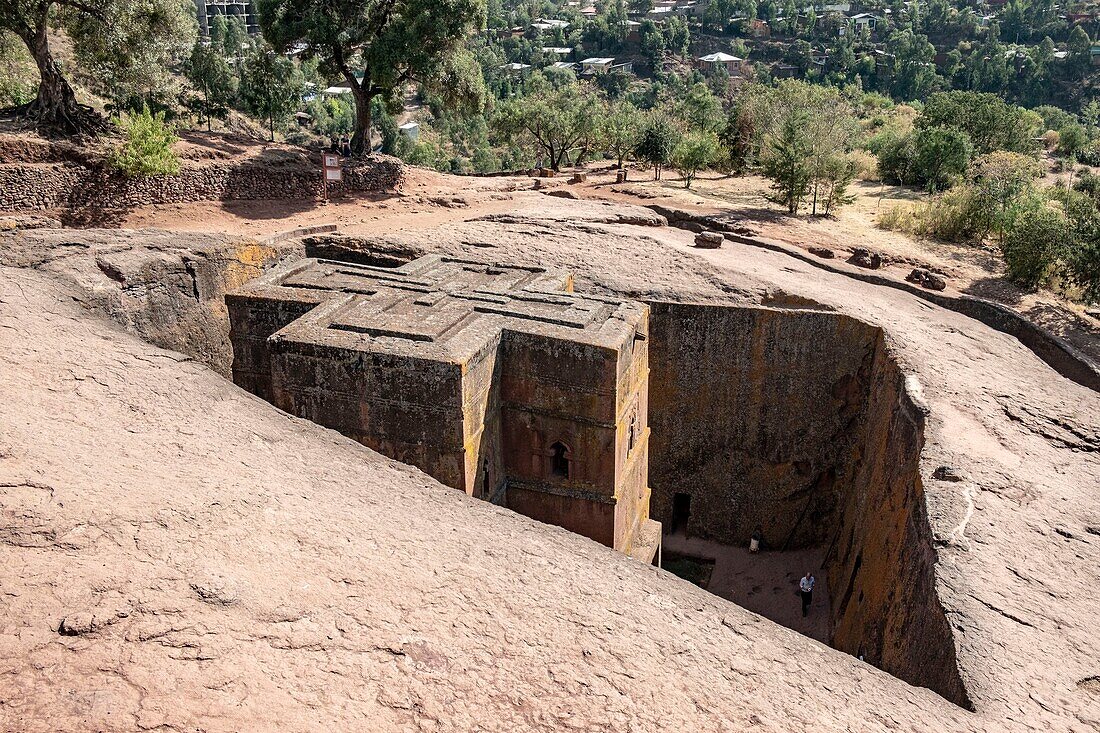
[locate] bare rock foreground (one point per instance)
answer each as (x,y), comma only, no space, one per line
(177,555)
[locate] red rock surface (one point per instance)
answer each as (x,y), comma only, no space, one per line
(177,555)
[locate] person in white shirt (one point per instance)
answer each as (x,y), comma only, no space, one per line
(806,586)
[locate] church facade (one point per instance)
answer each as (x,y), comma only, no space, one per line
(496,380)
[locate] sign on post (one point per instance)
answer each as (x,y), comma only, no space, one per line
(331,170)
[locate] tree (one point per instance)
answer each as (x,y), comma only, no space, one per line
(620,129)
(129,57)
(1001,180)
(210,73)
(787,162)
(657,141)
(388,42)
(700,109)
(1079,46)
(697,150)
(1084,264)
(236,42)
(556,119)
(1072,139)
(16,72)
(830,183)
(124,40)
(988,120)
(652,41)
(762,111)
(677,35)
(914,72)
(271,87)
(940,154)
(1034,245)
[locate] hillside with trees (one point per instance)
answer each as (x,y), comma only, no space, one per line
(977,104)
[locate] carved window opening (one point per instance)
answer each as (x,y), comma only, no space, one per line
(633,434)
(559,460)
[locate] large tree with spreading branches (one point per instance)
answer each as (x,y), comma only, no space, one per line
(126,43)
(377,46)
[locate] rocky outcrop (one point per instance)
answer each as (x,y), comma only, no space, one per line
(180,556)
(206,583)
(926,279)
(709,240)
(167,288)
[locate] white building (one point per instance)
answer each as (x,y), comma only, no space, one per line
(715,61)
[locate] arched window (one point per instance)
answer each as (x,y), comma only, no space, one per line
(559,460)
(633,433)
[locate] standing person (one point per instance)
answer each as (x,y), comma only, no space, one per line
(806,586)
(345,147)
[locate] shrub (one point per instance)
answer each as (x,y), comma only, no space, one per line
(1084,269)
(895,153)
(658,138)
(1034,245)
(864,165)
(147,147)
(941,155)
(1072,139)
(900,218)
(1088,183)
(1090,154)
(953,216)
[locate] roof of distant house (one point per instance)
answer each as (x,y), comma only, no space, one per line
(598,60)
(549,23)
(719,57)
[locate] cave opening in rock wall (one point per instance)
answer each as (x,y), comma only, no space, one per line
(796,426)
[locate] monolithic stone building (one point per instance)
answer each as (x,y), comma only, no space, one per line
(495,380)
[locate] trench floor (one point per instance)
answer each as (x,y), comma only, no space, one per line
(764,582)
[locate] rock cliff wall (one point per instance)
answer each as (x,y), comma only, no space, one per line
(799,422)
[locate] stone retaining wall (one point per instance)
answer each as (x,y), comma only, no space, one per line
(90,193)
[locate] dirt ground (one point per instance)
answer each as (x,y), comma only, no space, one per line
(765,582)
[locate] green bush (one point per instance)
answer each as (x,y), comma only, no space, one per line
(147,147)
(954,216)
(1033,247)
(1084,269)
(1090,154)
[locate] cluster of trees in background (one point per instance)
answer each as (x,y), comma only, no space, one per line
(931,101)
